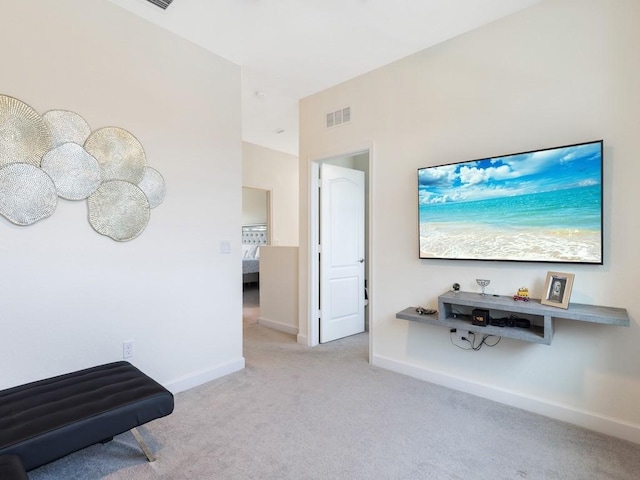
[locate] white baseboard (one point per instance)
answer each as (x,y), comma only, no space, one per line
(283,327)
(582,418)
(302,339)
(204,376)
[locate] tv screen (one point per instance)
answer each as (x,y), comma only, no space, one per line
(538,206)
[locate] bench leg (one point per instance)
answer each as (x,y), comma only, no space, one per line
(143,445)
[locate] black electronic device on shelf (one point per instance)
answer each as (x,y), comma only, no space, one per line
(480,316)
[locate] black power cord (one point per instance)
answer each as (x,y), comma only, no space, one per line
(472,341)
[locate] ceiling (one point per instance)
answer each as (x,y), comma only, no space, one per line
(290,49)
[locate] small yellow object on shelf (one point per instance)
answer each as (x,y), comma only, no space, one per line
(523,294)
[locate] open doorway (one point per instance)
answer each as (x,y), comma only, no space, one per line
(256,207)
(359,161)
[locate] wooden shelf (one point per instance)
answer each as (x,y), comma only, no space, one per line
(454,311)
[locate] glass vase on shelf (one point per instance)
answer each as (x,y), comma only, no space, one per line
(483,284)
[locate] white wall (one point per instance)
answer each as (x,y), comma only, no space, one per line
(277,172)
(254,206)
(563,71)
(71,296)
(279,288)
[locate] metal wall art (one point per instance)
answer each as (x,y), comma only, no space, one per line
(120,155)
(27,194)
(119,210)
(152,184)
(43,157)
(74,171)
(24,135)
(66,127)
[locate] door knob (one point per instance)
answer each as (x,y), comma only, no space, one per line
(361,260)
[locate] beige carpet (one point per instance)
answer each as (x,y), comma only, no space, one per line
(325,413)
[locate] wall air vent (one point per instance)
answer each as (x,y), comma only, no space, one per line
(346,115)
(339,117)
(163,4)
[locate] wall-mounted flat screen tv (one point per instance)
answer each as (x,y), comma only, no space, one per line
(538,206)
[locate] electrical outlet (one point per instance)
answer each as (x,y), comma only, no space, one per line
(462,334)
(127,349)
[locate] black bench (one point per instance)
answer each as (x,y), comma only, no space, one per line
(11,468)
(46,420)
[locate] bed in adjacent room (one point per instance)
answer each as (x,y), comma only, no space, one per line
(253,236)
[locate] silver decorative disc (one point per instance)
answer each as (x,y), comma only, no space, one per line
(119,153)
(27,194)
(75,173)
(66,126)
(152,184)
(119,210)
(24,136)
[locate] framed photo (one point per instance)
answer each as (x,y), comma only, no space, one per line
(558,289)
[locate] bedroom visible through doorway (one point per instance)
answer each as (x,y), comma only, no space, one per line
(255,233)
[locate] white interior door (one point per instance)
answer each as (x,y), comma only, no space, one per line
(341,252)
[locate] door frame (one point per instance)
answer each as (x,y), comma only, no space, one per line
(313,330)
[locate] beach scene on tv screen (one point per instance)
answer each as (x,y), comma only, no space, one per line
(538,206)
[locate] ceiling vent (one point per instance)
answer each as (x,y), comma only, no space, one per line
(163,4)
(339,117)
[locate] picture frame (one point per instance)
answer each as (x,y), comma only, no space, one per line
(557,289)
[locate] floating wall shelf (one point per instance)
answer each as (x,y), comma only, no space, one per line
(454,311)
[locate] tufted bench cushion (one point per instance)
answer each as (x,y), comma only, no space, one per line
(48,419)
